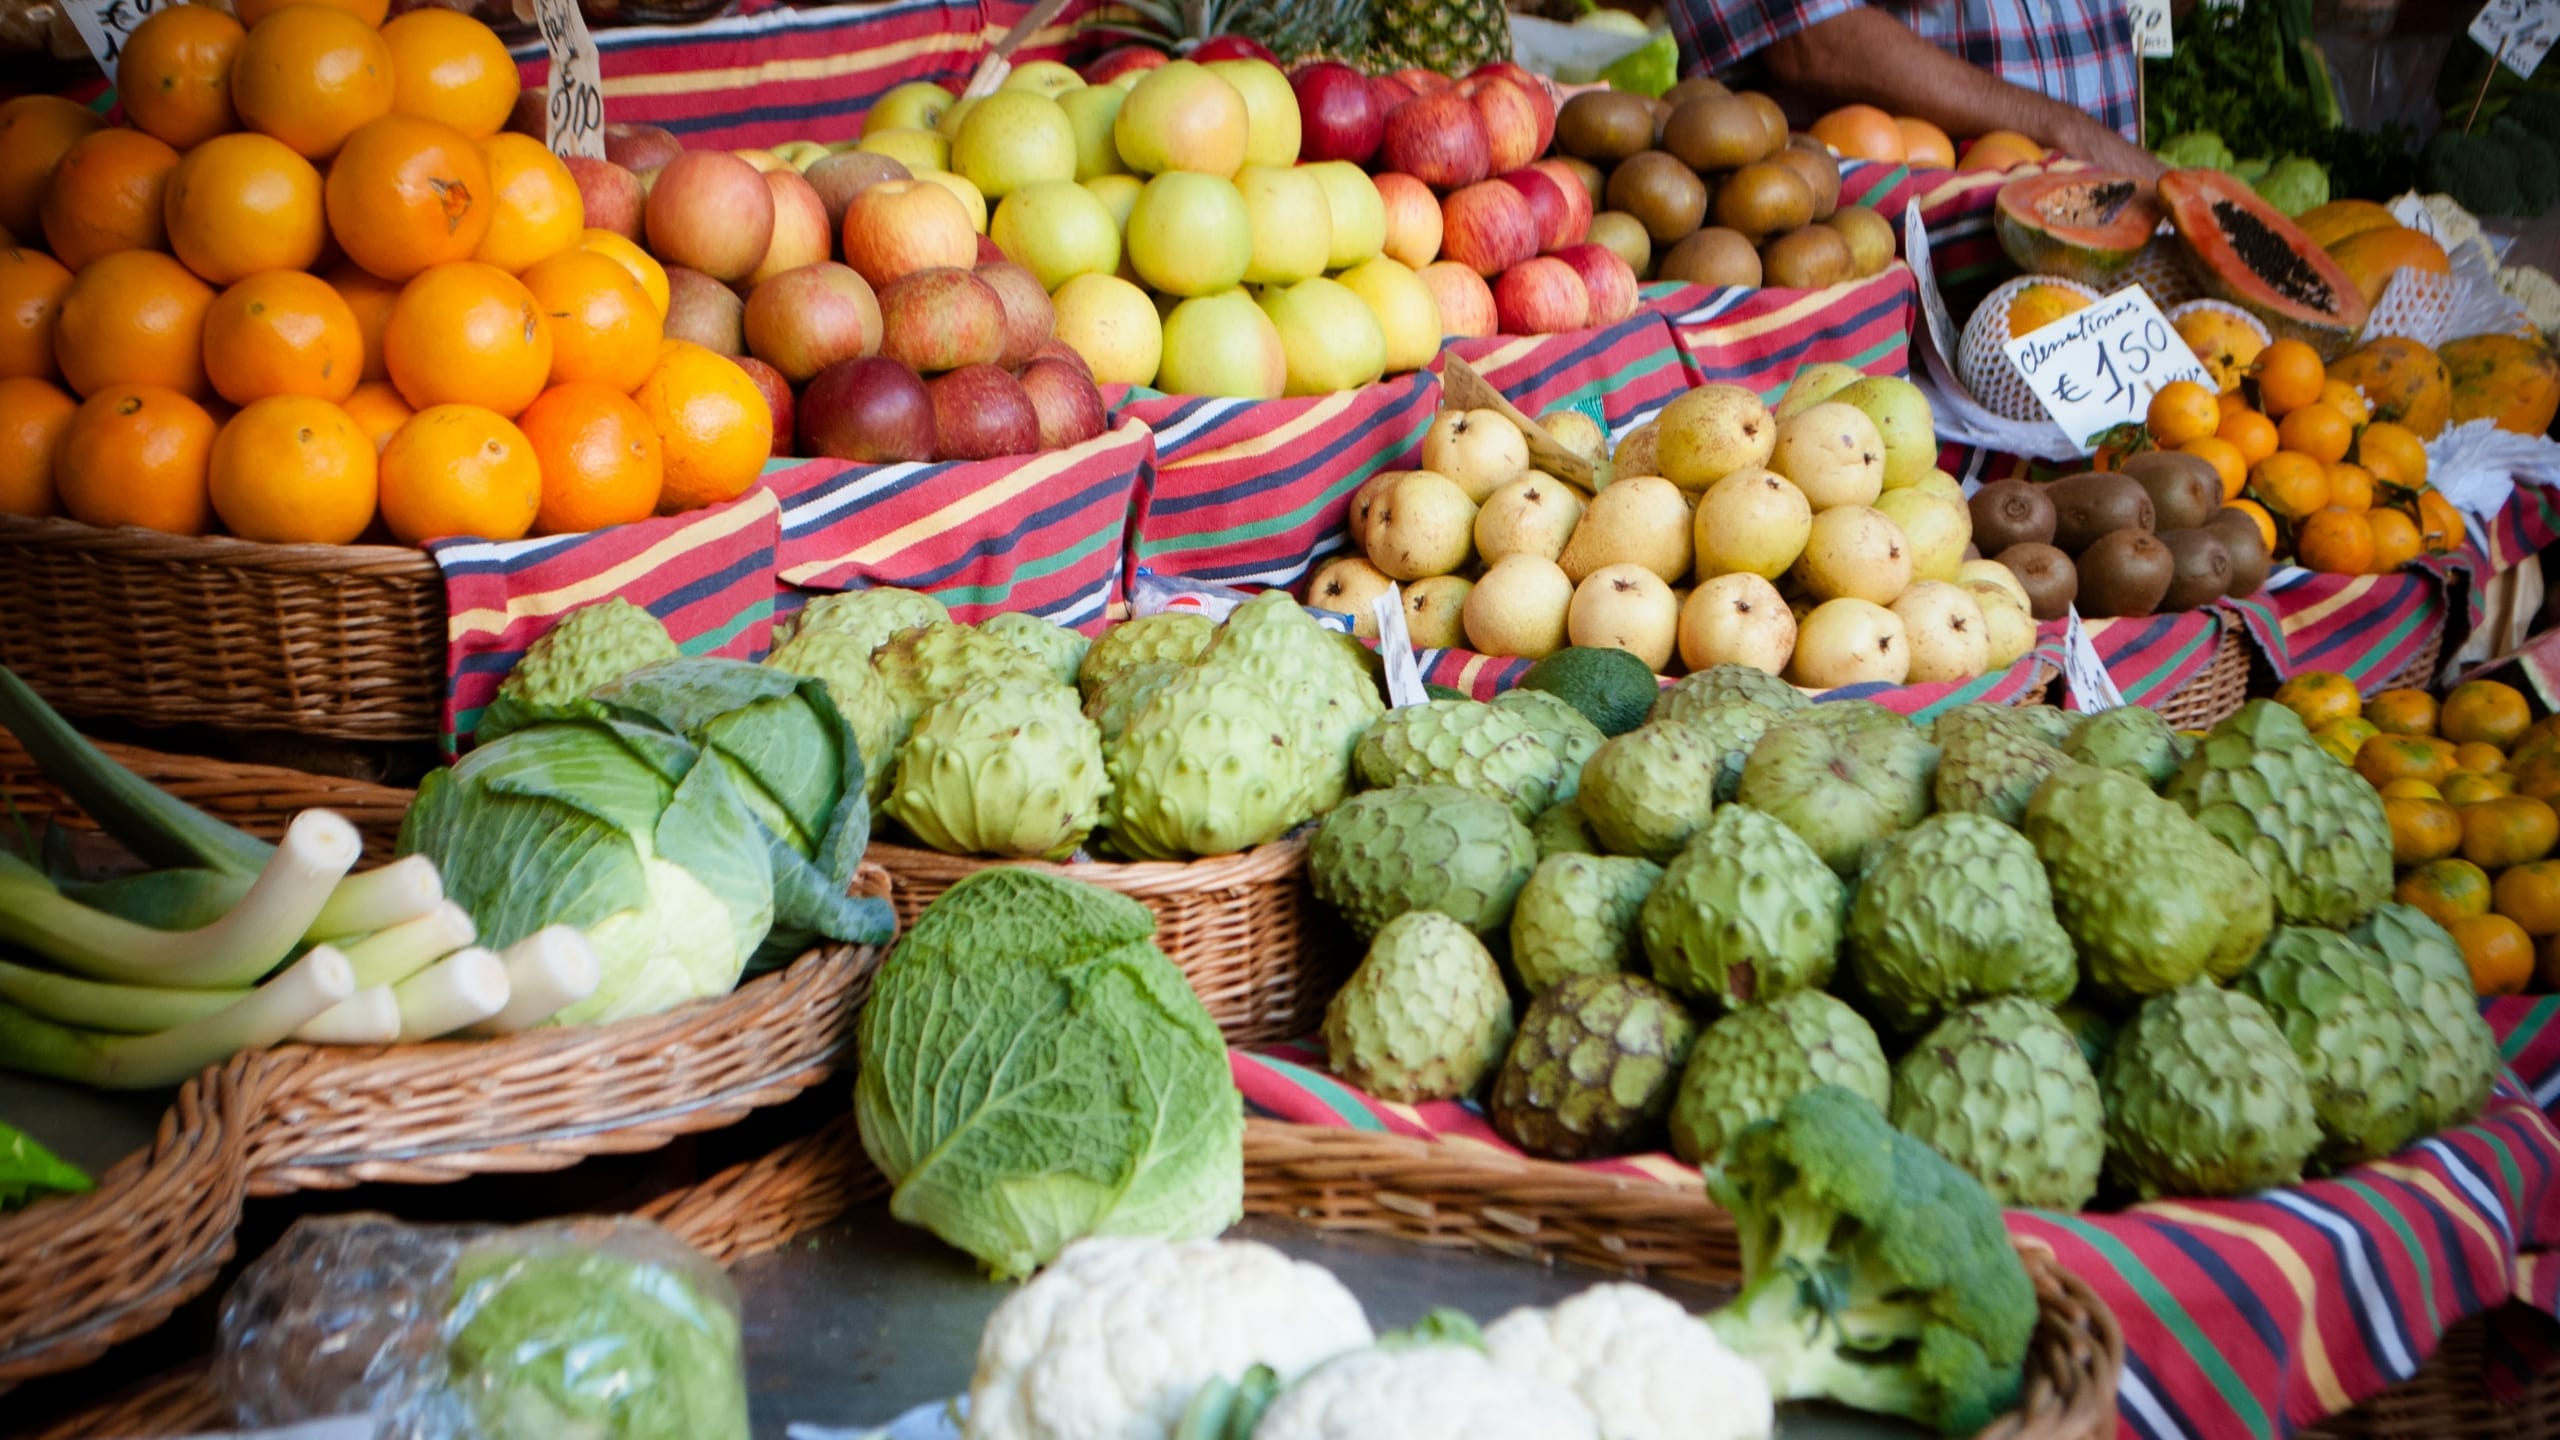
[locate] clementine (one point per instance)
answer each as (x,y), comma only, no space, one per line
(293,470)
(1861,132)
(447,66)
(1924,143)
(2350,486)
(2498,951)
(2334,542)
(32,284)
(309,75)
(602,462)
(2421,829)
(378,411)
(35,130)
(2481,758)
(282,333)
(2449,891)
(2386,758)
(2182,411)
(2318,431)
(2253,434)
(33,416)
(2510,830)
(2289,376)
(2529,894)
(136,455)
(2395,540)
(2347,400)
(2484,712)
(239,204)
(715,424)
(459,470)
(643,267)
(2226,460)
(2403,711)
(2384,444)
(133,318)
(368,11)
(2440,526)
(2257,512)
(371,298)
(407,193)
(2289,484)
(106,196)
(538,212)
(174,73)
(603,327)
(468,334)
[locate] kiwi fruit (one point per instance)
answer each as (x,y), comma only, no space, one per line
(2200,570)
(1711,257)
(1716,132)
(2052,582)
(1604,125)
(1762,199)
(1696,87)
(1819,171)
(1666,196)
(1594,184)
(2125,572)
(2099,502)
(2247,546)
(1772,119)
(1807,259)
(1869,234)
(2185,491)
(2011,512)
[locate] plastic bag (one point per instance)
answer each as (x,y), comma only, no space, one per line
(606,1329)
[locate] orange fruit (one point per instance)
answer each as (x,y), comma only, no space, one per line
(2449,890)
(2317,431)
(603,327)
(33,416)
(2386,758)
(105,196)
(2411,789)
(2231,402)
(1924,143)
(2253,434)
(2320,697)
(643,267)
(32,284)
(459,470)
(133,318)
(2499,952)
(2350,484)
(2347,400)
(309,75)
(35,130)
(2481,759)
(2290,484)
(715,425)
(2343,738)
(2226,460)
(2529,894)
(2334,541)
(538,212)
(239,204)
(2466,787)
(2289,376)
(174,74)
(293,470)
(1861,132)
(468,334)
(2180,411)
(2538,778)
(368,11)
(2385,444)
(370,297)
(136,455)
(2440,527)
(2257,512)
(2484,712)
(2001,150)
(602,463)
(2509,830)
(378,411)
(2421,829)
(2395,540)
(2403,711)
(282,333)
(448,67)
(407,193)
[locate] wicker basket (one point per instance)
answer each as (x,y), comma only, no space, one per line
(2448,1400)
(345,641)
(1246,929)
(260,799)
(2420,672)
(2215,693)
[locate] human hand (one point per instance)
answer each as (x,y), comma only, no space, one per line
(2098,143)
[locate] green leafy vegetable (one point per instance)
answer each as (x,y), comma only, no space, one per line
(2255,74)
(29,1172)
(1648,70)
(2294,184)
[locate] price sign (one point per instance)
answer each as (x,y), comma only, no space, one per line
(2518,32)
(1395,647)
(2098,368)
(2151,38)
(104,24)
(574,114)
(1933,305)
(2084,675)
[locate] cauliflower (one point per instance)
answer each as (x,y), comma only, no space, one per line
(1647,1368)
(1425,1392)
(2537,292)
(1111,1341)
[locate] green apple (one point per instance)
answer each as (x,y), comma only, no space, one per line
(1270,110)
(972,199)
(1292,229)
(1057,230)
(1182,116)
(1407,314)
(1043,77)
(1015,138)
(916,105)
(918,150)
(948,127)
(1113,325)
(1359,216)
(1328,335)
(1091,111)
(801,154)
(1222,344)
(1190,234)
(1120,193)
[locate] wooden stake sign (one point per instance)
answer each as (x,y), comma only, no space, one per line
(1461,388)
(573,109)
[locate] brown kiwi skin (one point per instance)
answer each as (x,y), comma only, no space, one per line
(2201,569)
(1710,256)
(1604,125)
(2125,572)
(2247,546)
(2094,504)
(1666,196)
(2011,512)
(2052,582)
(1812,258)
(2185,491)
(1819,171)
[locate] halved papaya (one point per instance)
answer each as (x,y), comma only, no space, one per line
(2082,225)
(2247,252)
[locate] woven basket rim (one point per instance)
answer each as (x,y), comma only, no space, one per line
(1133,878)
(226,551)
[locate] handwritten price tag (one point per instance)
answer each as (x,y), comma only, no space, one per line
(574,123)
(1933,303)
(2084,675)
(2518,32)
(2098,368)
(2151,37)
(104,24)
(1395,647)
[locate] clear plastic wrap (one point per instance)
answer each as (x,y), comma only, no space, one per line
(604,1329)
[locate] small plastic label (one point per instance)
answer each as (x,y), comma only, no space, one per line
(2084,675)
(2098,368)
(2151,37)
(574,101)
(1933,305)
(104,25)
(1395,647)
(2518,32)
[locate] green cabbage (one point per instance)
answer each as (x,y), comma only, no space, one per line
(2196,150)
(1033,1071)
(2294,184)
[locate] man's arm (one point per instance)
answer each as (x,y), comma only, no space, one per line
(1865,54)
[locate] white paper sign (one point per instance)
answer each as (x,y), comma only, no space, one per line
(2151,38)
(104,24)
(1933,305)
(2518,32)
(574,112)
(1395,647)
(2084,675)
(2098,368)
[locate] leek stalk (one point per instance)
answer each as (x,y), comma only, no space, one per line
(455,993)
(115,1009)
(371,1016)
(265,1016)
(547,972)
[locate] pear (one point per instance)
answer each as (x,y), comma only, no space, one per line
(1639,452)
(1533,515)
(1626,607)
(1711,432)
(1348,585)
(1364,500)
(1737,619)
(1433,609)
(1753,521)
(1937,527)
(1854,552)
(1944,630)
(1480,449)
(1903,418)
(1519,608)
(1641,520)
(1995,573)
(2009,632)
(1850,642)
(1424,525)
(1813,385)
(1833,454)
(1577,432)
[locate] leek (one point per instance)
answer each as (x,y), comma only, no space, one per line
(116,1009)
(379,899)
(264,1016)
(371,1016)
(388,957)
(459,991)
(547,972)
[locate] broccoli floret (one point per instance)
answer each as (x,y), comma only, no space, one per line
(1875,1273)
(2536,166)
(2537,112)
(2473,170)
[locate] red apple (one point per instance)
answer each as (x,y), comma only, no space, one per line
(639,147)
(874,410)
(1488,227)
(1549,202)
(1029,318)
(1232,47)
(712,212)
(1339,114)
(1066,400)
(1424,82)
(941,319)
(1577,193)
(1541,297)
(777,398)
(1111,64)
(801,234)
(1540,90)
(1466,302)
(1061,350)
(848,173)
(981,412)
(989,251)
(1510,122)
(802,321)
(1437,139)
(1413,218)
(1391,92)
(704,311)
(531,114)
(897,226)
(611,194)
(1607,277)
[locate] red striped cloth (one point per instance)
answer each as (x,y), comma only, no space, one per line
(1617,374)
(2153,657)
(2365,627)
(1759,339)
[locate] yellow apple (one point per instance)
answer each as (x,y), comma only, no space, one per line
(1043,77)
(918,150)
(1328,336)
(1359,216)
(1113,325)
(1014,138)
(916,105)
(1182,116)
(1270,109)
(1057,230)
(971,198)
(1190,234)
(1292,227)
(1091,111)
(1407,314)
(1222,344)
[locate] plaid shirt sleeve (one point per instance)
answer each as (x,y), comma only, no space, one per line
(1716,35)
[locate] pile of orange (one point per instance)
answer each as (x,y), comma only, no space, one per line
(1863,132)
(316,293)
(2332,488)
(2469,785)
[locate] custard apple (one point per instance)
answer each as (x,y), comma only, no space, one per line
(1577,916)
(1953,911)
(1425,1017)
(1746,913)
(2357,1040)
(1006,769)
(2052,726)
(591,646)
(2204,1097)
(2314,828)
(1172,636)
(1055,646)
(1723,684)
(879,726)
(1207,767)
(1421,847)
(2150,899)
(1561,830)
(1847,717)
(933,662)
(2094,1028)
(2458,1058)
(1562,729)
(1326,696)
(1841,784)
(874,617)
(2002,1089)
(2131,739)
(1593,1068)
(1730,728)
(1990,763)
(1465,743)
(1646,792)
(1748,1065)
(1115,702)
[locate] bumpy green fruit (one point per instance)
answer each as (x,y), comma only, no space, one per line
(1171,636)
(1953,911)
(1647,791)
(841,660)
(2002,1089)
(1746,913)
(2092,1027)
(591,646)
(873,617)
(2150,899)
(2050,725)
(931,663)
(1577,916)
(1748,1065)
(1421,847)
(1055,646)
(1593,1069)
(1425,1016)
(1003,769)
(1465,743)
(1841,784)
(1561,830)
(2204,1097)
(1207,767)
(1566,733)
(2131,739)
(1730,727)
(1720,684)
(2458,1059)
(2314,828)
(1115,702)
(2353,1034)
(1991,762)
(1326,696)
